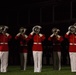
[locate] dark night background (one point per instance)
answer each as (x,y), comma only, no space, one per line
(48,14)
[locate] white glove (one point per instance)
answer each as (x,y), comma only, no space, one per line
(58,36)
(18,34)
(51,35)
(7,34)
(32,33)
(40,35)
(69,28)
(26,36)
(75,32)
(68,32)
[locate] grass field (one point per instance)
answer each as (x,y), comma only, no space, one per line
(46,70)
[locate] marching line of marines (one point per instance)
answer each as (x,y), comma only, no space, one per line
(37,48)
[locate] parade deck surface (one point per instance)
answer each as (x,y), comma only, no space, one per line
(46,70)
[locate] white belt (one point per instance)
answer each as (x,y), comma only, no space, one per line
(36,43)
(3,43)
(72,43)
